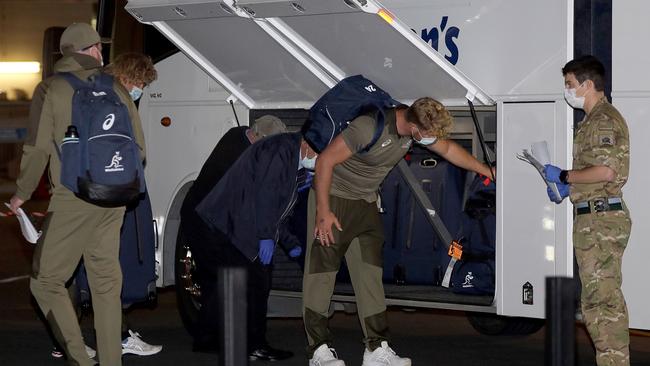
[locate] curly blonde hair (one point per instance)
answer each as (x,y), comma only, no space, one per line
(133,68)
(431,117)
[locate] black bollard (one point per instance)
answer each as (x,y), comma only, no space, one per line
(560,321)
(232,310)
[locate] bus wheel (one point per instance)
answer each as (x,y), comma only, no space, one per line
(188,291)
(492,324)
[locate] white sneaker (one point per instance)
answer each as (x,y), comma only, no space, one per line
(325,356)
(384,356)
(91,352)
(135,345)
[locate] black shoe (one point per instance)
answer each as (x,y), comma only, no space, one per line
(267,353)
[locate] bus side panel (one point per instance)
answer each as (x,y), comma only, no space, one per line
(198,115)
(510,48)
(533,234)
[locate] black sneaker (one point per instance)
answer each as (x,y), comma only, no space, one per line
(267,353)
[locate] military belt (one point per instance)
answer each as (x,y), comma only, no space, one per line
(599,205)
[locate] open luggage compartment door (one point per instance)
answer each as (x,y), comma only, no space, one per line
(233,49)
(349,37)
(279,54)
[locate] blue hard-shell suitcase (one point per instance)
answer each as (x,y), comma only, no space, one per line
(137,256)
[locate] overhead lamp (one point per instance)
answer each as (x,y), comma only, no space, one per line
(26,67)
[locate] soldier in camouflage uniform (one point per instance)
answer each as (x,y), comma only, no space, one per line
(602,224)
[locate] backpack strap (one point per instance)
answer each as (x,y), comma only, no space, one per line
(100,80)
(379,129)
(103,80)
(73,80)
(380,119)
(56,148)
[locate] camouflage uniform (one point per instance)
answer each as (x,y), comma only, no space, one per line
(599,238)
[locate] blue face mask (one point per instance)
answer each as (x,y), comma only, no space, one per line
(135,93)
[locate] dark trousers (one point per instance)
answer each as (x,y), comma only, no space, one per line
(211,251)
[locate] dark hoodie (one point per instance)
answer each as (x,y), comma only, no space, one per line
(254,198)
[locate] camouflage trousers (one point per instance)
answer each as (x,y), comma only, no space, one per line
(599,240)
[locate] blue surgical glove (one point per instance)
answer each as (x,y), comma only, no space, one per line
(266,251)
(564,192)
(552,173)
(295,252)
(309,178)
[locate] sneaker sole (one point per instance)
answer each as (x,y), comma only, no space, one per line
(140,353)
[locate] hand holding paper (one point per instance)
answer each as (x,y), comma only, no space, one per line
(540,159)
(563,190)
(552,173)
(26,226)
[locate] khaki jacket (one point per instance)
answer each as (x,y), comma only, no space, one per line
(602,138)
(49,117)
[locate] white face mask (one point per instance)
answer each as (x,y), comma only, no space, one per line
(424,141)
(308,163)
(99,56)
(573,100)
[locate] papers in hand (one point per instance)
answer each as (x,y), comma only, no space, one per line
(538,158)
(26,226)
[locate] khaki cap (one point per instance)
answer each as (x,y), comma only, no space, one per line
(79,36)
(268,125)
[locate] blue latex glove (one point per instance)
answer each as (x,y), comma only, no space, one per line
(309,178)
(295,252)
(552,173)
(564,192)
(266,251)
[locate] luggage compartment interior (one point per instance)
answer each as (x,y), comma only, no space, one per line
(415,259)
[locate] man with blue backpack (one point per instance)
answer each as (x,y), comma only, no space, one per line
(90,134)
(372,134)
(134,71)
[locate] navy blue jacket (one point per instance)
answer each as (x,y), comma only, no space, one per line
(253,199)
(223,156)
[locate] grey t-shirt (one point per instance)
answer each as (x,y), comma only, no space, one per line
(359,177)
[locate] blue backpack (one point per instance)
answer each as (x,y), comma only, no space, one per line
(100,160)
(348,99)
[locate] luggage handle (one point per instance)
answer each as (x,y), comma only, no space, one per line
(137,235)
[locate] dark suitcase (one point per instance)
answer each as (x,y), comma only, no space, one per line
(137,257)
(413,253)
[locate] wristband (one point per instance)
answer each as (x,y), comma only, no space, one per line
(564,175)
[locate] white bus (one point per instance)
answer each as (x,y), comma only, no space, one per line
(278,57)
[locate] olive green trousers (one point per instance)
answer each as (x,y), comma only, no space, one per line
(67,236)
(361,243)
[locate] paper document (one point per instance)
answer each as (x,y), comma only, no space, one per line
(538,158)
(26,226)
